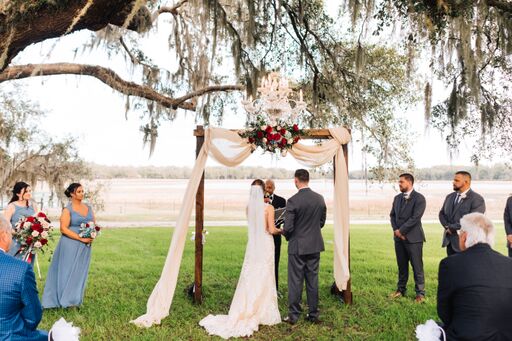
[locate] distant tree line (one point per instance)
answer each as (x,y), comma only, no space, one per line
(496,172)
(173,172)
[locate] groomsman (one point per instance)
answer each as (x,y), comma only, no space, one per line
(408,208)
(507,217)
(456,205)
(278,202)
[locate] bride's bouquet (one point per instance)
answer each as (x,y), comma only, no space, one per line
(32,233)
(89,230)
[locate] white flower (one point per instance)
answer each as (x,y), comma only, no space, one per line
(93,234)
(44,234)
(38,245)
(290,141)
(463,196)
(26,225)
(263,127)
(45,224)
(284,152)
(264,140)
(278,128)
(288,134)
(35,233)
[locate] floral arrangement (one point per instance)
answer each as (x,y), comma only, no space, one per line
(273,138)
(32,233)
(89,230)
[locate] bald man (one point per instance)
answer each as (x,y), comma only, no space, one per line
(277,202)
(456,205)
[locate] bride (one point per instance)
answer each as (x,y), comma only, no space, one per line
(255,299)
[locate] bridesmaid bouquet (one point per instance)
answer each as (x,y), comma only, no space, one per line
(32,233)
(89,230)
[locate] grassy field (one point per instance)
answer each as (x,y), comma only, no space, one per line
(126,264)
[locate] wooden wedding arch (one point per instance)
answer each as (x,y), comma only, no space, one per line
(199,133)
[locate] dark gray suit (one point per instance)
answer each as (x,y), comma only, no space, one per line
(406,216)
(305,216)
(507,218)
(450,215)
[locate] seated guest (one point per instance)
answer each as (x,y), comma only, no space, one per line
(20,309)
(474,297)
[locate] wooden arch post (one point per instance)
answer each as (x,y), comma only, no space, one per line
(310,134)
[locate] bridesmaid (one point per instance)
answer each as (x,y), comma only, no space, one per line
(67,276)
(19,206)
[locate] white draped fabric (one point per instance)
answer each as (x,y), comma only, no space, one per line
(232,152)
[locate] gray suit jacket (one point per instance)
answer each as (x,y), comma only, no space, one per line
(406,216)
(450,214)
(507,218)
(304,219)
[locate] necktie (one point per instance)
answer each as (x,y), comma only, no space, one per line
(457,199)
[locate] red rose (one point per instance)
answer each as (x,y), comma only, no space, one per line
(283,131)
(296,139)
(28,240)
(41,215)
(251,140)
(295,127)
(97,228)
(284,142)
(44,241)
(30,219)
(37,227)
(87,225)
(260,134)
(278,137)
(269,129)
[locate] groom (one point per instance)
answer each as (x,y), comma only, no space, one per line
(305,216)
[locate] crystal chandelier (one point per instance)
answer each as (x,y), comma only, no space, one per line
(274,102)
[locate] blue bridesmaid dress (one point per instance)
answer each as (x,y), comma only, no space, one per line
(67,276)
(19,212)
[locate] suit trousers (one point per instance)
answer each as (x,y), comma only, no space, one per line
(410,253)
(302,267)
(510,252)
(277,256)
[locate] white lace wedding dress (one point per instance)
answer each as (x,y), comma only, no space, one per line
(255,299)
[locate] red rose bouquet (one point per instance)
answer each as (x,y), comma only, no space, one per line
(32,233)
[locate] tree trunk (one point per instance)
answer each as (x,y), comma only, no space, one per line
(40,22)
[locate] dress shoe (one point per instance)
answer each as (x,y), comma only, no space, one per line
(397,294)
(419,299)
(288,320)
(314,320)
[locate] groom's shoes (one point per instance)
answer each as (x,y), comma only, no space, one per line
(289,320)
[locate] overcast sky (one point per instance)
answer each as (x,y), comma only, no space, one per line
(94,115)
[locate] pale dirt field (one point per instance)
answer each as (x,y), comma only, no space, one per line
(158,201)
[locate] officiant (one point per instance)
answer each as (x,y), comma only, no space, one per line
(278,202)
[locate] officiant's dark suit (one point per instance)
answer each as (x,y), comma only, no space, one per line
(456,205)
(277,202)
(405,216)
(305,217)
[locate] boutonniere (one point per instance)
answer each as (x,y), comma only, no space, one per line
(463,196)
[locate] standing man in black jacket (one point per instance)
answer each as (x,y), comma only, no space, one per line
(408,208)
(456,205)
(507,218)
(278,202)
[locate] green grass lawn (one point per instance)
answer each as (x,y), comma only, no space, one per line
(126,264)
